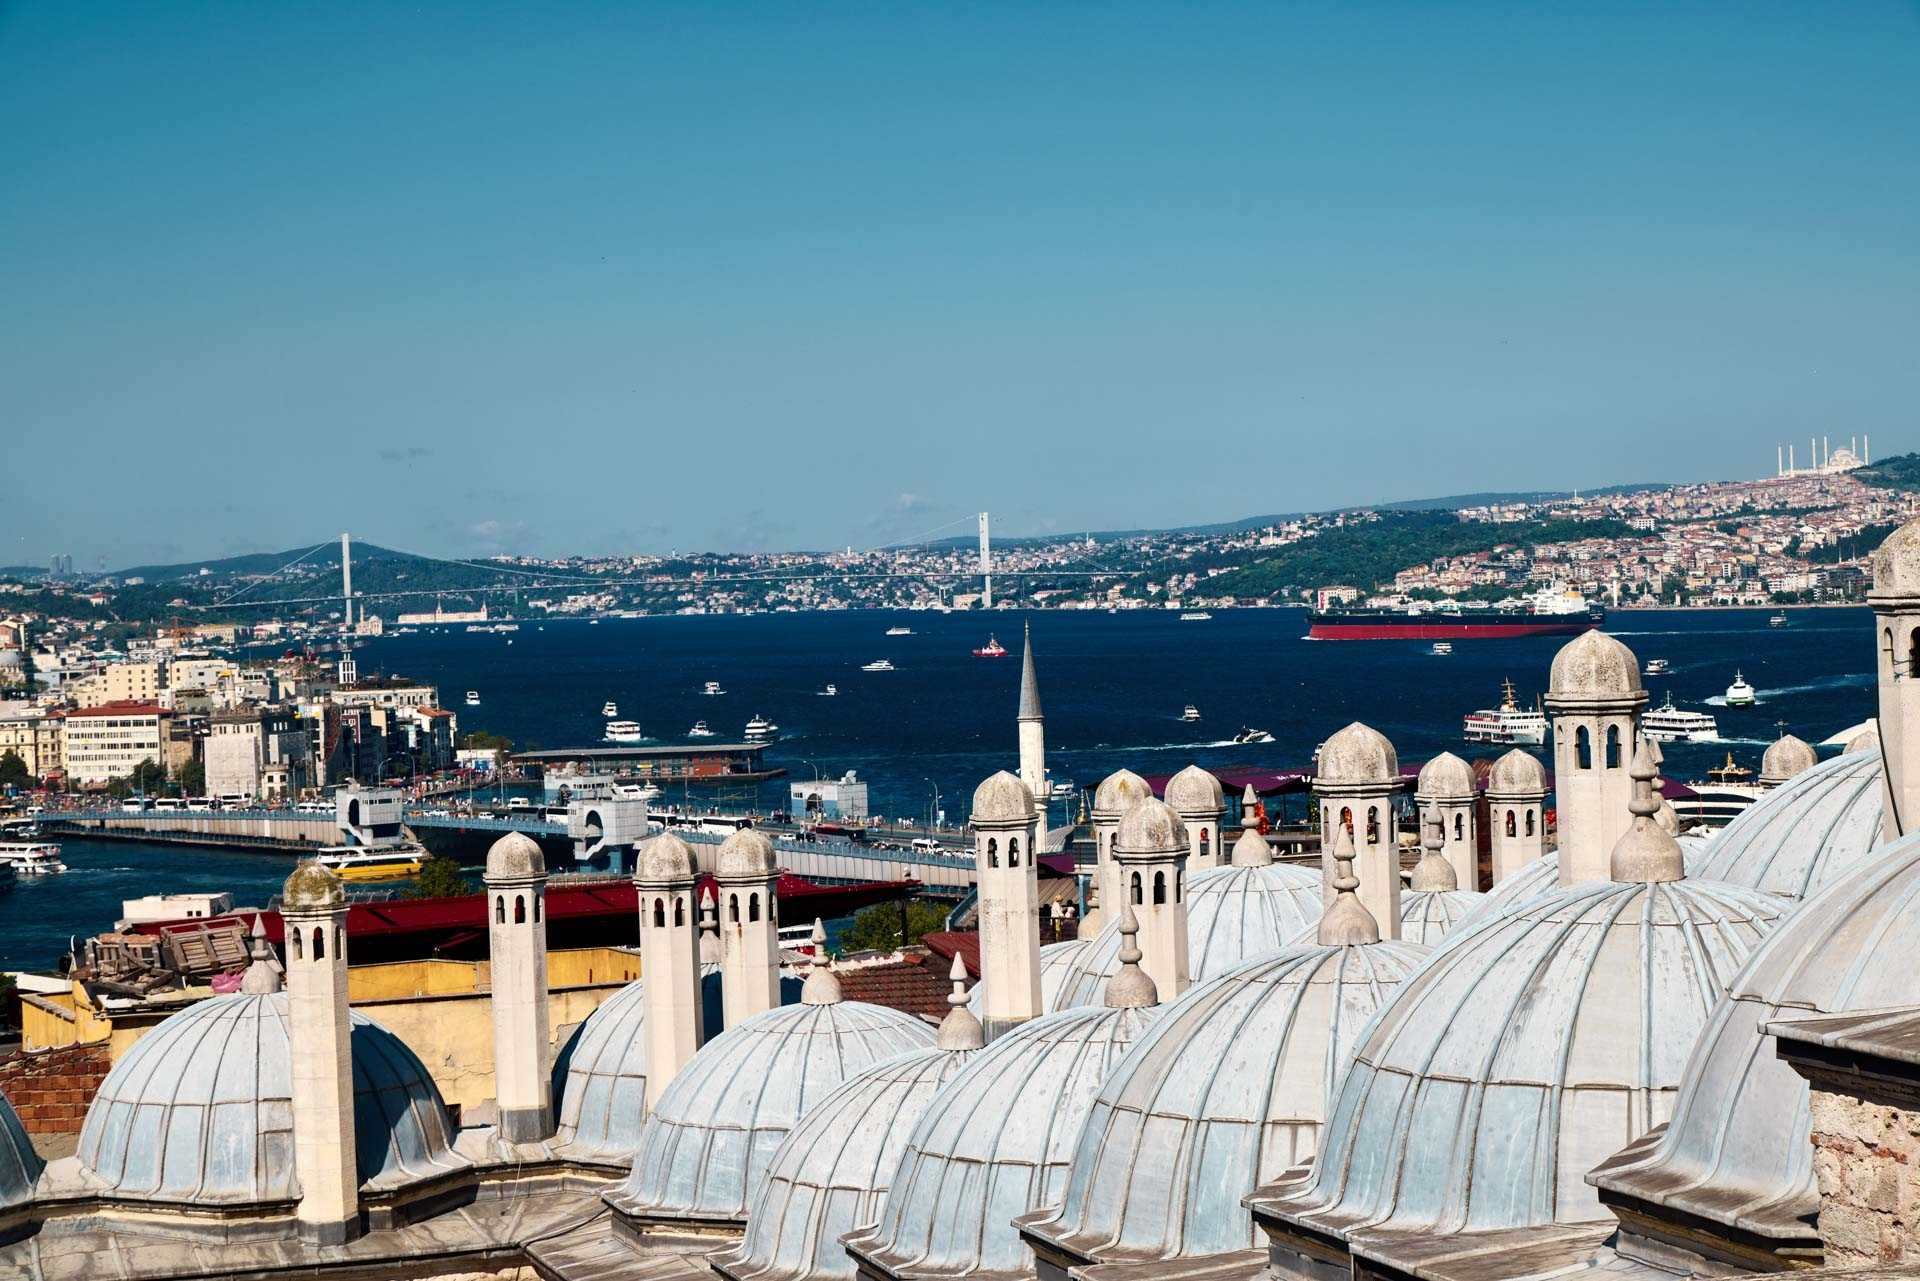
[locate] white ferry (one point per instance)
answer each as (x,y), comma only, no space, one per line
(609,709)
(1778,620)
(1656,667)
(624,732)
(1191,713)
(712,689)
(1728,790)
(32,858)
(1443,648)
(1740,694)
(877,665)
(1196,616)
(1670,724)
(899,631)
(360,863)
(699,730)
(760,729)
(473,698)
(1247,736)
(1507,723)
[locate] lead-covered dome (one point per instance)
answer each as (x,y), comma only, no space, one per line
(1516,1059)
(1739,1148)
(1785,757)
(1517,773)
(993,1144)
(1056,962)
(833,1171)
(312,886)
(1002,798)
(1233,913)
(1594,666)
(1195,793)
(1804,833)
(1226,1091)
(20,1165)
(1446,777)
(200,1110)
(1357,754)
(704,1150)
(1427,916)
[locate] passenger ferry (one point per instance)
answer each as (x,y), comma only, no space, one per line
(712,689)
(32,858)
(609,709)
(1656,667)
(361,863)
(1507,723)
(1740,694)
(473,698)
(760,730)
(992,649)
(699,730)
(624,732)
(1670,724)
(1728,790)
(1191,713)
(1196,616)
(1442,648)
(877,665)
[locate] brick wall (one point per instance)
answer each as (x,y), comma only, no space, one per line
(50,1089)
(1867,1159)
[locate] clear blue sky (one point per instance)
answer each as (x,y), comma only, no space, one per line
(632,277)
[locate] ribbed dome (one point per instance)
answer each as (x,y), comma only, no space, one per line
(1804,833)
(833,1171)
(745,855)
(1785,757)
(704,1150)
(1446,777)
(1524,1052)
(1357,754)
(515,857)
(1537,877)
(1226,1091)
(1739,1148)
(1195,793)
(20,1165)
(1118,791)
(1233,913)
(1427,916)
(1594,666)
(200,1110)
(1517,773)
(994,1144)
(1002,798)
(600,1074)
(1896,563)
(1056,962)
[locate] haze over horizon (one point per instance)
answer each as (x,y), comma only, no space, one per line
(477,279)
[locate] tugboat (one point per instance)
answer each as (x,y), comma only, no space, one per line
(992,649)
(1507,723)
(1740,694)
(1670,724)
(761,730)
(1191,714)
(1246,736)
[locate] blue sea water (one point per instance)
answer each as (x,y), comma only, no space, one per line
(1113,687)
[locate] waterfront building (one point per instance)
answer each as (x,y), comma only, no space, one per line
(243,748)
(32,733)
(838,799)
(111,740)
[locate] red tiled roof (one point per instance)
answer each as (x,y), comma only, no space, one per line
(123,708)
(947,944)
(917,985)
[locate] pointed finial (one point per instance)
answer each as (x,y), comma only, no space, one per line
(262,977)
(822,986)
(1645,851)
(1346,922)
(1131,987)
(1029,683)
(960,1030)
(1251,850)
(1664,813)
(1433,873)
(1251,812)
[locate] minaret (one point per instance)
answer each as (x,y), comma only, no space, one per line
(516,881)
(1197,798)
(1357,776)
(1033,732)
(1008,886)
(1594,696)
(1345,921)
(1896,609)
(313,913)
(1447,792)
(749,931)
(1151,851)
(1516,792)
(670,944)
(1113,798)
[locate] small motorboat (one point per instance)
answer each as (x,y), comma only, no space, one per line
(473,698)
(699,730)
(608,709)
(1246,736)
(877,665)
(1191,713)
(624,732)
(992,649)
(760,729)
(1443,647)
(899,631)
(712,689)
(1740,694)
(830,691)
(1778,620)
(1657,667)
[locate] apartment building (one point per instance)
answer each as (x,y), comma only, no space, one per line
(111,740)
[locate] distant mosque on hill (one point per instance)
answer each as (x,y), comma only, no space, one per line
(1628,1051)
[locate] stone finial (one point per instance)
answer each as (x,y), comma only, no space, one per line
(1664,814)
(1131,987)
(960,1030)
(710,946)
(263,976)
(1646,852)
(1252,850)
(1252,813)
(822,986)
(1433,874)
(1867,740)
(1346,922)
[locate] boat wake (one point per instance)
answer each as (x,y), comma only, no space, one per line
(1858,680)
(1159,747)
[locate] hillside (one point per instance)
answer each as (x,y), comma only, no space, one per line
(1901,471)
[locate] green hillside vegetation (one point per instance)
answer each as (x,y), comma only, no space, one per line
(1367,555)
(1902,471)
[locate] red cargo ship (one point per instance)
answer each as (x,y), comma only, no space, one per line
(1429,625)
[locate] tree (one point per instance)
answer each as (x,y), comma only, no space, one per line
(147,779)
(877,928)
(480,740)
(440,877)
(14,772)
(193,778)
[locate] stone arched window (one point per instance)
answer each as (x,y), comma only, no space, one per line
(500,909)
(1373,824)
(1613,747)
(1886,647)
(1913,651)
(679,911)
(1159,888)
(339,942)
(1582,749)
(1346,819)
(1513,827)
(993,852)
(519,910)
(536,909)
(1206,842)
(659,913)
(1459,827)
(1013,851)
(1179,884)
(1137,890)
(295,937)
(319,944)
(733,908)
(1529,822)
(753,907)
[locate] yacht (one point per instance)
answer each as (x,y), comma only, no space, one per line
(473,698)
(1728,790)
(712,689)
(1656,667)
(992,649)
(1778,620)
(899,631)
(1196,616)
(1507,723)
(1246,736)
(699,730)
(1739,694)
(360,863)
(877,665)
(32,858)
(1670,724)
(1191,713)
(624,732)
(1062,791)
(830,691)
(760,729)
(1443,647)
(609,709)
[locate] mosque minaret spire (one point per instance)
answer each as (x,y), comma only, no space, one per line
(1033,731)
(516,881)
(313,912)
